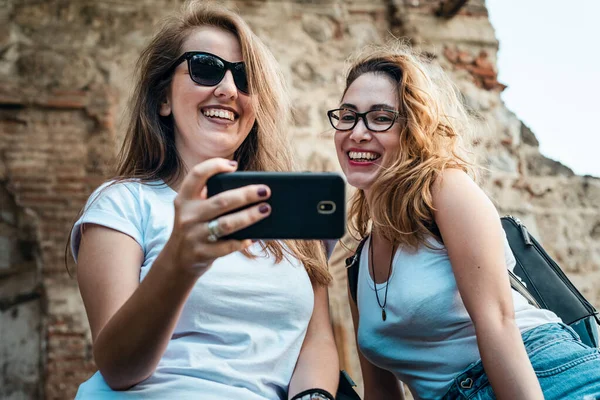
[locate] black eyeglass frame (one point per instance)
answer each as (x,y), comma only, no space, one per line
(188,55)
(362,116)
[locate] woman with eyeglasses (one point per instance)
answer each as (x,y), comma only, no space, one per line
(176,312)
(434,306)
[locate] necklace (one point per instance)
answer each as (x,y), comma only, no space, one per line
(387,283)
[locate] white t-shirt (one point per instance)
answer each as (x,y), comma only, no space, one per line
(242,327)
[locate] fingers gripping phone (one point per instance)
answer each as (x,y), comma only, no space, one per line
(304,205)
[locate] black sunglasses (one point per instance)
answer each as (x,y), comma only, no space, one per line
(208,70)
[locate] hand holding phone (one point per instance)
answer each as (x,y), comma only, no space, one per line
(198,225)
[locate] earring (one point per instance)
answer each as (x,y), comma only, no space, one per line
(165,109)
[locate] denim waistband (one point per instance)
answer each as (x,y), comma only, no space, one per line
(547,333)
(470,381)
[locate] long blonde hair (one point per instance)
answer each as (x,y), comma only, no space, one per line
(434,124)
(148,152)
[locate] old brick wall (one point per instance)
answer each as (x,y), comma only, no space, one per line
(65,73)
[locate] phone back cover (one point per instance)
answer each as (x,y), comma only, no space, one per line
(303,205)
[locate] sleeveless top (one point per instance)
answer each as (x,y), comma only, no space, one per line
(428,337)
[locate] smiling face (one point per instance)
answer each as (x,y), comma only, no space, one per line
(361,152)
(209,121)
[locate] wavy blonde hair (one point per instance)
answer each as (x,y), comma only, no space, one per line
(434,126)
(148,152)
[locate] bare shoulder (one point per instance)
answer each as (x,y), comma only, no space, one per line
(459,203)
(453,183)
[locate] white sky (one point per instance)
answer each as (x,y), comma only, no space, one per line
(550,59)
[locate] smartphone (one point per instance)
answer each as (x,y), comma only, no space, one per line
(304,205)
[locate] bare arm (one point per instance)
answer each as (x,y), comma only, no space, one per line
(473,235)
(379,384)
(132,322)
(318,363)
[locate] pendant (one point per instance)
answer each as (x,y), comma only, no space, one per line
(383,314)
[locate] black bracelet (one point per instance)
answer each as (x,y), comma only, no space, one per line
(314,394)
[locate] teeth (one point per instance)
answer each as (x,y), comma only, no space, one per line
(363,155)
(225,114)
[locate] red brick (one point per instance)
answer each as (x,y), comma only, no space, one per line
(483,72)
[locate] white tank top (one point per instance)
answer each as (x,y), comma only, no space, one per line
(428,337)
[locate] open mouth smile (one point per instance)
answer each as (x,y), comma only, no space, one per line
(220,114)
(363,157)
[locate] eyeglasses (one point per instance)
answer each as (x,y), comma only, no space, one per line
(343,119)
(208,70)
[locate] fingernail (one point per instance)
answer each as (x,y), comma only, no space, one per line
(263,209)
(262,192)
(233,163)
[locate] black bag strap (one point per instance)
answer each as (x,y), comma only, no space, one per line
(352,267)
(346,388)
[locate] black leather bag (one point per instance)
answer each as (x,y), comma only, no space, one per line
(346,388)
(537,277)
(547,285)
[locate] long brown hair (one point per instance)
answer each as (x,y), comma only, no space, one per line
(148,152)
(434,124)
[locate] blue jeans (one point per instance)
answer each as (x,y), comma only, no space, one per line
(566,368)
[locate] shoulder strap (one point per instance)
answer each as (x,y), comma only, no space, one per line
(352,268)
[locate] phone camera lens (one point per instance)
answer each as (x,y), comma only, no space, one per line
(326,207)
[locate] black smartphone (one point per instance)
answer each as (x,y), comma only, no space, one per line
(304,205)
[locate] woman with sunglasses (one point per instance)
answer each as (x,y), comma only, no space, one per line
(434,305)
(175,311)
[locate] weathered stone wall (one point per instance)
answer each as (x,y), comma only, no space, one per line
(65,74)
(20,301)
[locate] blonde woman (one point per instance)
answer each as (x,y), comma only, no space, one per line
(434,304)
(174,311)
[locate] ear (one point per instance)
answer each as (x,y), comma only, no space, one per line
(165,108)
